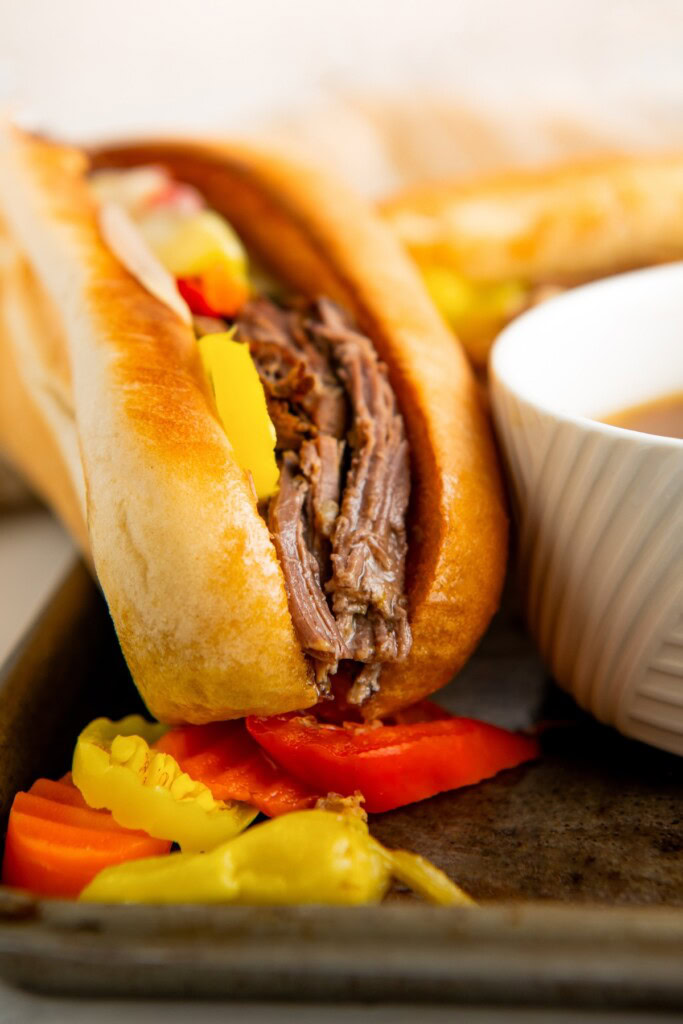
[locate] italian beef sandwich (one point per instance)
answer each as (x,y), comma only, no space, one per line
(220,370)
(492,247)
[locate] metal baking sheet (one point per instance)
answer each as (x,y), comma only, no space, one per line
(577,859)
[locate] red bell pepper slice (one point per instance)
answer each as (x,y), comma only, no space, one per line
(215,293)
(225,758)
(191,290)
(391,765)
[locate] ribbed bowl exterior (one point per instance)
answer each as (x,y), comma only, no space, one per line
(600,516)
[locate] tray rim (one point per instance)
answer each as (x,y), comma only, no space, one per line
(527,953)
(548,953)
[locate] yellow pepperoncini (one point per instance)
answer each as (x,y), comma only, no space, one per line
(316,856)
(241,404)
(114,768)
(475,309)
(424,878)
(187,245)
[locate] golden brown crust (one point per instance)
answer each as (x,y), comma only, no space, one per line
(566,223)
(319,239)
(182,554)
(37,426)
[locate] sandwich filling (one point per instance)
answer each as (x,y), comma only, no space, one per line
(338,517)
(338,514)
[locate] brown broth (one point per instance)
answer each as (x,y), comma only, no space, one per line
(663,416)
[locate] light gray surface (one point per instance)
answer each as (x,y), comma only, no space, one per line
(21,1008)
(34,554)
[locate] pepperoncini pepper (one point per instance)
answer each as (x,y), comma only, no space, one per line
(189,244)
(315,856)
(241,404)
(114,768)
(476,310)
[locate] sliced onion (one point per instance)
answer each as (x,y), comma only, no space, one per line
(134,189)
(126,243)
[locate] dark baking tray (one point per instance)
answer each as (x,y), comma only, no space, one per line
(578,859)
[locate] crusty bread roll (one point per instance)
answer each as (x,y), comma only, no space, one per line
(37,427)
(561,226)
(183,556)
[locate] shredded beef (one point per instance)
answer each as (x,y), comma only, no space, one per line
(338,519)
(369,539)
(313,620)
(321,463)
(297,377)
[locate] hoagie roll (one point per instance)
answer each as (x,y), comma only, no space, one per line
(490,248)
(222,372)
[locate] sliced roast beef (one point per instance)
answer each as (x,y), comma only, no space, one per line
(338,519)
(321,464)
(297,377)
(369,539)
(314,623)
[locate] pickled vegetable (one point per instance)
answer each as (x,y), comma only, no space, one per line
(474,308)
(241,404)
(114,768)
(316,856)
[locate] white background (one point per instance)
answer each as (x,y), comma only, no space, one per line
(144,63)
(546,71)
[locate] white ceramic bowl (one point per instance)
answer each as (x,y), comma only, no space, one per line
(599,508)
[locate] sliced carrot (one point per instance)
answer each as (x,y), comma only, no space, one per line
(67,814)
(56,844)
(62,792)
(223,290)
(79,837)
(55,869)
